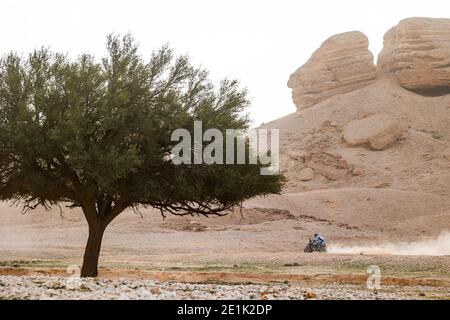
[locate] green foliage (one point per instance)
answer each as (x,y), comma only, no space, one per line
(97,134)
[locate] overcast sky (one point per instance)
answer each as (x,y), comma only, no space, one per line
(258,42)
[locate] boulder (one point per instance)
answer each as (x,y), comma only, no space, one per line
(417,51)
(329,171)
(328,164)
(378,132)
(306,174)
(342,64)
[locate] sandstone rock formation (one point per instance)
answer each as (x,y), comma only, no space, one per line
(378,132)
(417,51)
(331,166)
(342,64)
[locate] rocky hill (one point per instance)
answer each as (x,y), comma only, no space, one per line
(375,129)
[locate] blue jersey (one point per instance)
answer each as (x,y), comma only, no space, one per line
(319,239)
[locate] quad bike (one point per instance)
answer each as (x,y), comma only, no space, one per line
(315,246)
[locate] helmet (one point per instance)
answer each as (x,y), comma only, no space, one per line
(316,234)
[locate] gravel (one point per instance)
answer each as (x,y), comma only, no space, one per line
(46,287)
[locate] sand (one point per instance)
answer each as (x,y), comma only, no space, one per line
(389,208)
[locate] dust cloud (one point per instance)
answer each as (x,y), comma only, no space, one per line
(439,246)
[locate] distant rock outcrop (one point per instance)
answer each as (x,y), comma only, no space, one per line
(378,132)
(417,51)
(342,64)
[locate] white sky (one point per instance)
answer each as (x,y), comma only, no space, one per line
(258,42)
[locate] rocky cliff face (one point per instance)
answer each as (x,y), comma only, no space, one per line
(417,51)
(342,64)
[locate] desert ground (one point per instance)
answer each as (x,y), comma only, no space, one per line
(253,254)
(376,189)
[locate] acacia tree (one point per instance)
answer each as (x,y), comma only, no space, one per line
(97,135)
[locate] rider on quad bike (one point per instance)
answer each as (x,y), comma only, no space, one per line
(319,239)
(316,244)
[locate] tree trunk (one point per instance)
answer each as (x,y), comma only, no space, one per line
(92,251)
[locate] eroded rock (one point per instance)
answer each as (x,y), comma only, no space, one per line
(331,166)
(306,174)
(342,64)
(378,132)
(417,51)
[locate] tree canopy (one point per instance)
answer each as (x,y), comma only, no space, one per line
(96,134)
